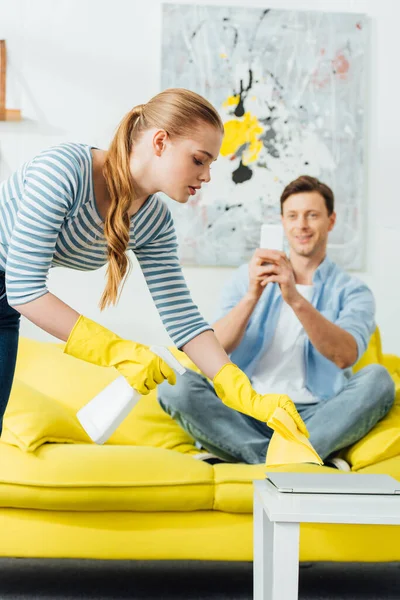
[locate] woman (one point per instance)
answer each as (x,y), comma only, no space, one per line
(81,207)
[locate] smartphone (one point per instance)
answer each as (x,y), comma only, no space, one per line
(272,237)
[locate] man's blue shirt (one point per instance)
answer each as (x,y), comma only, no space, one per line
(339,297)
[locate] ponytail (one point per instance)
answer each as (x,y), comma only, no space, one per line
(120,187)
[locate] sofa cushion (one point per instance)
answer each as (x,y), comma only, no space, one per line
(86,477)
(32,419)
(383,441)
(122,478)
(151,426)
(387,467)
(72,383)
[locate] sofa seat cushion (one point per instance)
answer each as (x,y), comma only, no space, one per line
(388,467)
(86,477)
(234,489)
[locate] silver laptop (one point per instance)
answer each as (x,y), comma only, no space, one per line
(334,483)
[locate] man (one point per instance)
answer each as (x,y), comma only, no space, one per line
(295,326)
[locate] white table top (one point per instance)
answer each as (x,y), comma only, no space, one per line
(327,508)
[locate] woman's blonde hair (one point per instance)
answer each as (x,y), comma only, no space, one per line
(179,112)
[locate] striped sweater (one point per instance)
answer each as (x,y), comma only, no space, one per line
(48,217)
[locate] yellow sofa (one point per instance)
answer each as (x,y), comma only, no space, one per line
(142,495)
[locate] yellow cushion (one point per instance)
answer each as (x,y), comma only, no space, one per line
(32,418)
(373,353)
(72,382)
(151,426)
(382,442)
(96,478)
(45,369)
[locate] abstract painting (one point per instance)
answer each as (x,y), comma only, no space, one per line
(290,87)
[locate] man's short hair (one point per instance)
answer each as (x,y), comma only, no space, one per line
(306,183)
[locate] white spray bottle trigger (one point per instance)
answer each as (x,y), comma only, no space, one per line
(169,358)
(101,416)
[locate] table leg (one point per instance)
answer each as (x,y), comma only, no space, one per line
(276,557)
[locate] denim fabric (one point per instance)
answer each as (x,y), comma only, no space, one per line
(9,333)
(333,424)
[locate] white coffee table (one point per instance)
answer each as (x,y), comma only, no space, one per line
(277,518)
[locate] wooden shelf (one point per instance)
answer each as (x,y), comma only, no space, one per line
(6,114)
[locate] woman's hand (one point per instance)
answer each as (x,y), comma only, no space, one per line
(235,390)
(137,363)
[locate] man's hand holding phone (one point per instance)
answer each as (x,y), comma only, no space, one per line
(280,271)
(269,264)
(262,266)
(270,250)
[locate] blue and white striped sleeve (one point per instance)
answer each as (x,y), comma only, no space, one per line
(49,188)
(160,265)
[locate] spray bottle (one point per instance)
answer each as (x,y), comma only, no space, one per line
(101,416)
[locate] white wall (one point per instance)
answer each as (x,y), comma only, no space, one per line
(76,66)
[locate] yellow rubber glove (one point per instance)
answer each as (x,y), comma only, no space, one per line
(235,390)
(95,344)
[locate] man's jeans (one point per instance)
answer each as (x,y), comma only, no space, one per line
(9,332)
(333,424)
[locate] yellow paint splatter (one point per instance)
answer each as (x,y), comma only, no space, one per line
(240,132)
(251,153)
(231,101)
(223,55)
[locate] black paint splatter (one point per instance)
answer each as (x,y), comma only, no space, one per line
(196,31)
(233,206)
(239,110)
(236,34)
(242,174)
